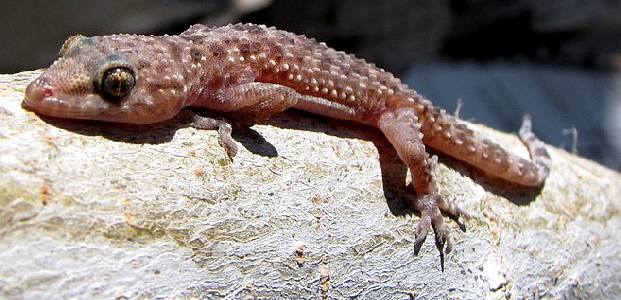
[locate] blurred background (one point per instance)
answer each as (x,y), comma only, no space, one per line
(557,60)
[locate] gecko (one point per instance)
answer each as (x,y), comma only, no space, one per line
(252,72)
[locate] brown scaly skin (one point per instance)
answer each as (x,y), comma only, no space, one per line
(256,72)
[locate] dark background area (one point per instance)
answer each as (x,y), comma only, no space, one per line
(556,60)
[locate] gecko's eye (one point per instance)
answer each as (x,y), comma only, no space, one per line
(116,82)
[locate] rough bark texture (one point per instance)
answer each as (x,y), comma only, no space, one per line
(309,208)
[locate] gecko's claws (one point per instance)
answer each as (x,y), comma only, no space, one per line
(431,208)
(421,233)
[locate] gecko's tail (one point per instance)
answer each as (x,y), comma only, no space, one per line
(454,138)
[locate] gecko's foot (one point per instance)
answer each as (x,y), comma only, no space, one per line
(431,208)
(224,130)
(226,140)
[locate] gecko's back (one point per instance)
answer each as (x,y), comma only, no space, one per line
(339,84)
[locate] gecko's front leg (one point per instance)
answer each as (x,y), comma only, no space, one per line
(225,129)
(402,128)
(247,104)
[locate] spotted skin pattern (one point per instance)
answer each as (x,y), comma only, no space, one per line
(255,72)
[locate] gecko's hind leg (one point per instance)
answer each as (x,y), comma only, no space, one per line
(402,129)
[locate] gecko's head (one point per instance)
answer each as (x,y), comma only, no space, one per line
(122,78)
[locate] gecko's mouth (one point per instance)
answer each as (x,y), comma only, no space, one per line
(41,98)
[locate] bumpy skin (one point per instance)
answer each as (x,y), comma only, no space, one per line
(256,72)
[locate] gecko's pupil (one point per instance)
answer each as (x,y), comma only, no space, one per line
(117,82)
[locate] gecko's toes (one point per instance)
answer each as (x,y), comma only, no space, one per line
(443,238)
(431,217)
(226,140)
(443,241)
(421,231)
(431,208)
(453,211)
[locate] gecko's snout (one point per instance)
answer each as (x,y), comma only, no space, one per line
(42,98)
(37,92)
